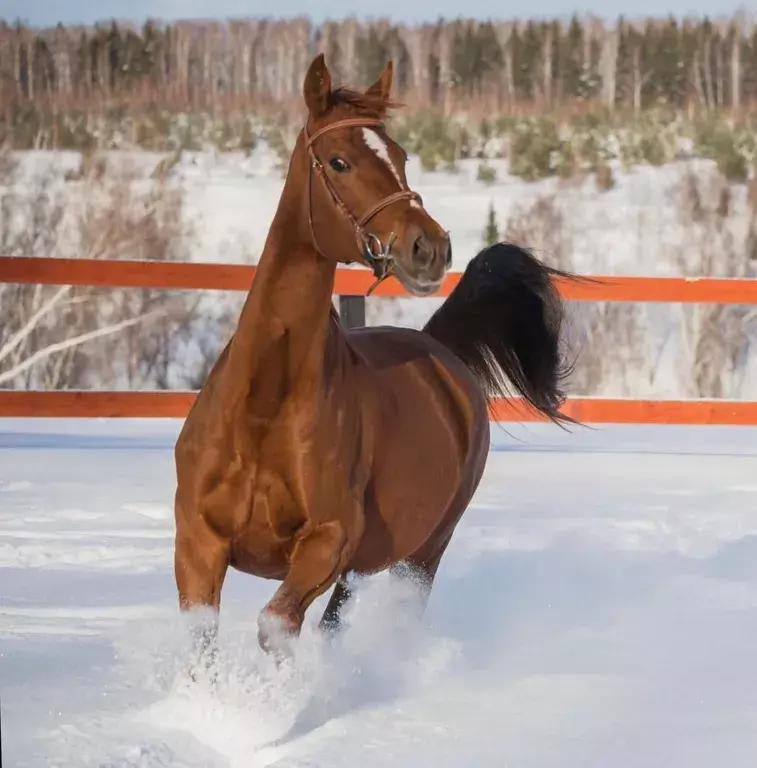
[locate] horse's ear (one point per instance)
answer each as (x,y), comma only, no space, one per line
(317,86)
(383,86)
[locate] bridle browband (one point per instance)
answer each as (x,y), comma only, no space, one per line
(380,259)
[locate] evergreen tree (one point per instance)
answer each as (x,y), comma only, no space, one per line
(491,231)
(371,55)
(475,53)
(665,60)
(624,63)
(528,61)
(749,65)
(571,59)
(689,51)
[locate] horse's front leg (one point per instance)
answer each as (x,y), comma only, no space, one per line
(201,560)
(319,557)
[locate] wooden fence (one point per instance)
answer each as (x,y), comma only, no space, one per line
(351,286)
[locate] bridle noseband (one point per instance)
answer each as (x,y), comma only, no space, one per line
(376,254)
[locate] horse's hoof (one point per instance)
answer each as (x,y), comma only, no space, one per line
(329,629)
(203,668)
(201,676)
(276,635)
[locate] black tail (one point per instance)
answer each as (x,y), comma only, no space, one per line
(504,321)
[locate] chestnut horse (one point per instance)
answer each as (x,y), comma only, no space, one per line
(314,451)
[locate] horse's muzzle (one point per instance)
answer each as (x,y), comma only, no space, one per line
(426,256)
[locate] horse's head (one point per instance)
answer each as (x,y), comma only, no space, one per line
(356,198)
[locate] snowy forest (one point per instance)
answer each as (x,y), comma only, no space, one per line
(481,66)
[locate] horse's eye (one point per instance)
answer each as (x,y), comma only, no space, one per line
(338,165)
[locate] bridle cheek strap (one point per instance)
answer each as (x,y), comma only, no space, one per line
(375,253)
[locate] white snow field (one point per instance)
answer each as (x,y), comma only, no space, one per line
(598,607)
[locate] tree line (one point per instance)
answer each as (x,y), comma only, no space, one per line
(505,67)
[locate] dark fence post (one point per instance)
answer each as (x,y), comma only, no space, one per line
(352,311)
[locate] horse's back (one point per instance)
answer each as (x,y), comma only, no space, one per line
(432,437)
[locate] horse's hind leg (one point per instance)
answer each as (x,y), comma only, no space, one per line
(201,560)
(331,618)
(421,568)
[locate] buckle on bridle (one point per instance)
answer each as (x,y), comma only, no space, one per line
(380,260)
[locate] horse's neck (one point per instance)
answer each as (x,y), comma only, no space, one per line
(283,329)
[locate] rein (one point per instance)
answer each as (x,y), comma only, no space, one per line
(374,252)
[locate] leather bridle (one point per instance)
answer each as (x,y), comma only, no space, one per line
(376,254)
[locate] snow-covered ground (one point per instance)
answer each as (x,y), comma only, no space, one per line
(598,607)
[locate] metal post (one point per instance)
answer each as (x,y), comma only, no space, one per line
(352,311)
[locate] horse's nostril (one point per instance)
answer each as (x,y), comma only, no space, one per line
(417,246)
(427,253)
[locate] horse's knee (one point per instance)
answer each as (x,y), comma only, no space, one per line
(318,559)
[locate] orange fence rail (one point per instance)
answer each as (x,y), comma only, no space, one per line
(351,282)
(352,285)
(173,404)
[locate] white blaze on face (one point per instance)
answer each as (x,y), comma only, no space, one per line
(378,145)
